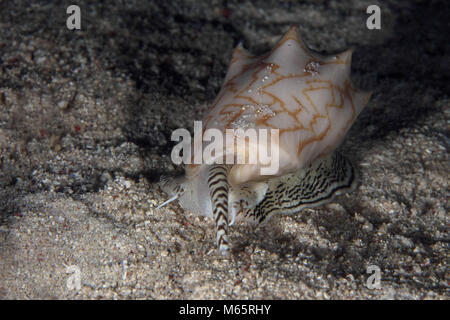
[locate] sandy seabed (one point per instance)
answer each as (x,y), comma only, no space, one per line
(85,125)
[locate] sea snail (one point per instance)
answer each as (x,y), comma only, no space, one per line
(309,101)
